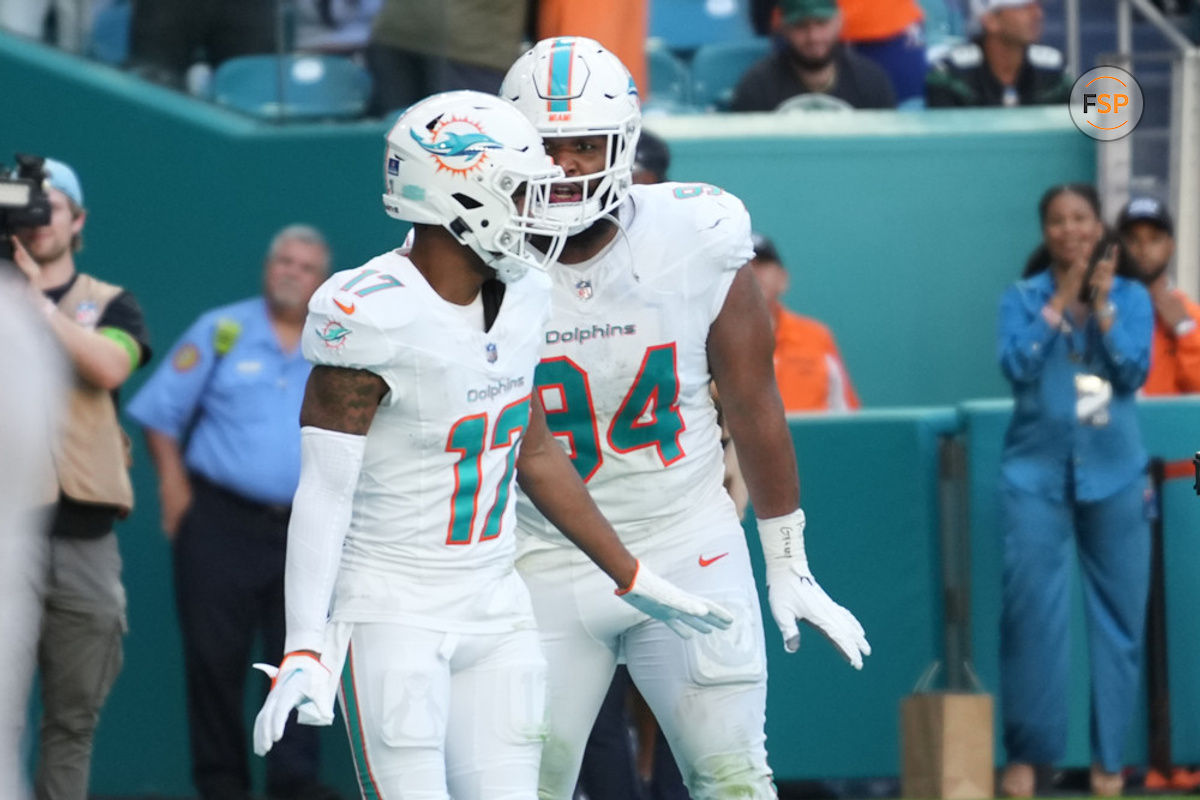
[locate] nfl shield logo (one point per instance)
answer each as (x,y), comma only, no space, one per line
(583,290)
(491,353)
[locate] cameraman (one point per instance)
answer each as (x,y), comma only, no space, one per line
(100,328)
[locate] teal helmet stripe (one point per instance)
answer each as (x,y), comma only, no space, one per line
(560,74)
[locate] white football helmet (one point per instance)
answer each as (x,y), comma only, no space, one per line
(456,159)
(572,86)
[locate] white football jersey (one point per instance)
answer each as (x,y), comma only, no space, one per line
(431,540)
(624,373)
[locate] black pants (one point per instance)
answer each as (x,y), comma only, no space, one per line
(400,78)
(167,36)
(229,559)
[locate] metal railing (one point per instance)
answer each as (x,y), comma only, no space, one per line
(1115,159)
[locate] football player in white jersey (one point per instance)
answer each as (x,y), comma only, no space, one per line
(400,576)
(651,304)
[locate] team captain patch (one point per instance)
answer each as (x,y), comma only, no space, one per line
(186,358)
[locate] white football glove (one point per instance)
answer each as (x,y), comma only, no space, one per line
(794,594)
(683,612)
(300,679)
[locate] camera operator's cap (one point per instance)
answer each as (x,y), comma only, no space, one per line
(64,179)
(652,155)
(764,248)
(794,11)
(1146,209)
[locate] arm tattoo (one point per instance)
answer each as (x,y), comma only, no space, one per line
(340,399)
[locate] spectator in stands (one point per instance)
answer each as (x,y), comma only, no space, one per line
(808,59)
(1002,66)
(651,160)
(890,33)
(72,20)
(1074,342)
(168,36)
(620,25)
(1148,234)
(338,27)
(418,48)
(808,366)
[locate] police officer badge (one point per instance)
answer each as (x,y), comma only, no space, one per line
(492,355)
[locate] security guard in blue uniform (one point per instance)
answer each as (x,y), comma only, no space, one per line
(221,418)
(1003,66)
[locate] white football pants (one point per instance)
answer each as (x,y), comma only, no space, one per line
(708,692)
(433,715)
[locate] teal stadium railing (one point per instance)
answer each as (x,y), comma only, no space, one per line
(899,230)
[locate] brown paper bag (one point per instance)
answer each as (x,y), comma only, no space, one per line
(946,746)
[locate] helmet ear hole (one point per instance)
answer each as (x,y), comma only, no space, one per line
(466,201)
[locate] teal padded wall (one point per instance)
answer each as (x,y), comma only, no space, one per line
(868,484)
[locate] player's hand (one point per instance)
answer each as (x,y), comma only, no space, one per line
(300,679)
(683,612)
(794,595)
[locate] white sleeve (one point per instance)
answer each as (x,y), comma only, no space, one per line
(329,465)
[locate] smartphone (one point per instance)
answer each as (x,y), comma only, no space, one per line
(1087,292)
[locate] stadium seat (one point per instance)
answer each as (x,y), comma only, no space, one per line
(297,87)
(944,19)
(670,80)
(110,33)
(716,69)
(688,24)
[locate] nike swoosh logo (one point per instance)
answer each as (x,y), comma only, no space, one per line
(347,309)
(704,562)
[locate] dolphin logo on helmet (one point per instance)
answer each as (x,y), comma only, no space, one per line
(458,144)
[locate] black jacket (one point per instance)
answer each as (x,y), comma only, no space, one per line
(962,78)
(770,81)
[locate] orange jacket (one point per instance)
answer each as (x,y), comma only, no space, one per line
(868,20)
(1175,361)
(620,25)
(808,366)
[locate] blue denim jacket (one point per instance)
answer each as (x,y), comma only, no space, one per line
(1046,448)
